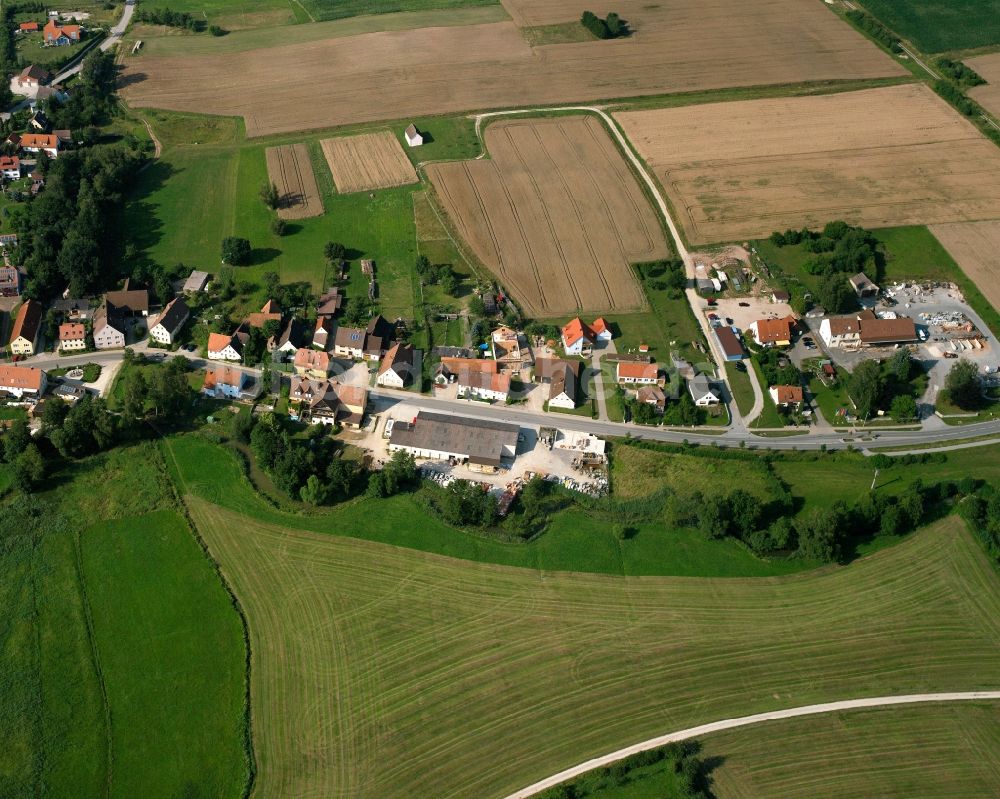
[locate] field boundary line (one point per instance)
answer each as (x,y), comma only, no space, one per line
(745,721)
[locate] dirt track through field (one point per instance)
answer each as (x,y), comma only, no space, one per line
(555,213)
(881,157)
(369,161)
(685,45)
(290,169)
(976,248)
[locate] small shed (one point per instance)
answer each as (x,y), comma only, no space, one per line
(413,136)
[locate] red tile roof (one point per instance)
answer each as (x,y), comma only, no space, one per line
(40,140)
(637,370)
(72,331)
(28,320)
(787,394)
(22,377)
(770,331)
(576,329)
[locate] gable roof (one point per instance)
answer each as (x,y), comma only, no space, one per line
(29,26)
(350,337)
(270,312)
(173,315)
(783,395)
(600,325)
(844,325)
(217,342)
(28,321)
(36,72)
(637,370)
(225,376)
(312,359)
(72,331)
(888,331)
(40,140)
(652,395)
(700,385)
(10,162)
(770,331)
(26,378)
(329,304)
(399,356)
(292,334)
(128,299)
(729,341)
(576,329)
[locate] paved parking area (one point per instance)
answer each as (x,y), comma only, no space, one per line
(752,309)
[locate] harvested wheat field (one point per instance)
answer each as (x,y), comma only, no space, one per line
(369,161)
(881,157)
(685,45)
(976,248)
(379,671)
(555,214)
(988,96)
(290,169)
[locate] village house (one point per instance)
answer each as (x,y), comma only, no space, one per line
(128,301)
(602,330)
(227,348)
(47,143)
(773,332)
(28,27)
(72,336)
(10,281)
(330,303)
(703,392)
(287,342)
(562,378)
(325,327)
(862,286)
(314,363)
(413,136)
(58,35)
(779,295)
(636,373)
(109,332)
(349,342)
(170,321)
(270,312)
(867,330)
(379,336)
(39,122)
(841,331)
(22,382)
(578,338)
(506,345)
(31,77)
(652,396)
(327,402)
(27,327)
(484,386)
(226,382)
(10,167)
(399,367)
(353,401)
(786,396)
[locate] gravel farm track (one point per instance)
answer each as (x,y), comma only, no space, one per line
(290,169)
(366,162)
(555,212)
(686,45)
(880,157)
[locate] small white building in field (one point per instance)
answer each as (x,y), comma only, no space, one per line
(413,137)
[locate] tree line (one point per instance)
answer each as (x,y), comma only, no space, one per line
(611,27)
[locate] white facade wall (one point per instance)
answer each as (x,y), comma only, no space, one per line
(107,338)
(73,344)
(562,400)
(227,354)
(390,379)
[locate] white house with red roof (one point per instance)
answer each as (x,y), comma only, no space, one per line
(22,381)
(577,337)
(637,373)
(602,330)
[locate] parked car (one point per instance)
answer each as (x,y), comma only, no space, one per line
(744,305)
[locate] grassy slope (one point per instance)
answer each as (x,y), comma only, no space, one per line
(575,541)
(172,656)
(408,673)
(896,753)
(144,579)
(938,25)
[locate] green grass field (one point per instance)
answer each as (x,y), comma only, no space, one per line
(379,671)
(894,753)
(939,25)
(123,659)
(337,9)
(741,388)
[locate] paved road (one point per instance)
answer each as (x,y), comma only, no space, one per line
(744,721)
(735,438)
(113,38)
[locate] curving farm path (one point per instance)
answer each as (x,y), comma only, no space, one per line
(744,721)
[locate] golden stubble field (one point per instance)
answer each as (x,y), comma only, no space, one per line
(290,169)
(683,45)
(988,96)
(383,672)
(976,248)
(369,161)
(880,157)
(555,213)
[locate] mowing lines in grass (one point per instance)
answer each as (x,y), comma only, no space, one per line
(384,672)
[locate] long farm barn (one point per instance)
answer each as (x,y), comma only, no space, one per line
(555,214)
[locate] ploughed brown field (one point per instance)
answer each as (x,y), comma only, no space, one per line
(880,157)
(683,45)
(988,96)
(976,248)
(290,169)
(555,213)
(369,161)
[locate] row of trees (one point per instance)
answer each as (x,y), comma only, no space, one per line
(170,18)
